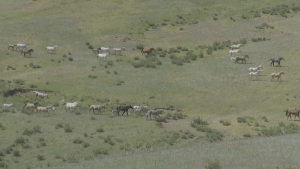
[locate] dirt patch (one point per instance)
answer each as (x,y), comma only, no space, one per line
(20,91)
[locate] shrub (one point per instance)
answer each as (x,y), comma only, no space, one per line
(225,123)
(19,81)
(100,130)
(77,141)
(159,124)
(212,164)
(241,119)
(40,157)
(272,131)
(247,135)
(160,119)
(86,144)
(214,135)
(209,50)
(100,151)
(17,153)
(199,121)
(70,58)
(33,86)
(68,128)
(140,46)
(20,140)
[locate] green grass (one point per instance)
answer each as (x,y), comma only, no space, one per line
(210,87)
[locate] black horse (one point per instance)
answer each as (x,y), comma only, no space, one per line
(277,61)
(124,109)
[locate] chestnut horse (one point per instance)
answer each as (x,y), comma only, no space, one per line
(147,51)
(27,52)
(289,113)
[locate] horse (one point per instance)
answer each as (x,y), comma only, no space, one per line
(21,46)
(11,46)
(147,51)
(103,55)
(237,46)
(242,58)
(255,69)
(278,75)
(289,113)
(154,112)
(124,109)
(256,74)
(7,105)
(118,50)
(277,61)
(105,49)
(27,52)
(30,105)
(41,95)
(44,109)
(232,58)
(96,107)
(51,48)
(234,51)
(72,105)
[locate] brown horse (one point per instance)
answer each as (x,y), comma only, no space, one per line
(27,52)
(242,58)
(96,107)
(147,51)
(289,113)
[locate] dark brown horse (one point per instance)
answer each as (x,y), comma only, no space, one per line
(27,52)
(242,58)
(277,61)
(147,51)
(289,113)
(123,109)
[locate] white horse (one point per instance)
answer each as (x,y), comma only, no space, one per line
(234,52)
(255,69)
(44,109)
(118,50)
(256,74)
(237,46)
(105,49)
(278,75)
(102,55)
(232,58)
(7,105)
(51,48)
(72,105)
(21,46)
(41,95)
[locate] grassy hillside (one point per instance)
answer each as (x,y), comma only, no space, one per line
(211,87)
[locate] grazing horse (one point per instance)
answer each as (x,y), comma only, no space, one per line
(96,107)
(242,58)
(12,46)
(72,105)
(278,75)
(105,49)
(154,113)
(289,113)
(96,50)
(147,51)
(124,109)
(27,52)
(30,105)
(277,61)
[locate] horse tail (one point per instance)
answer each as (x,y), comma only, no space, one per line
(286,112)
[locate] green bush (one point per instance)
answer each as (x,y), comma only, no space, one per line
(214,135)
(225,122)
(19,81)
(241,119)
(77,141)
(212,164)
